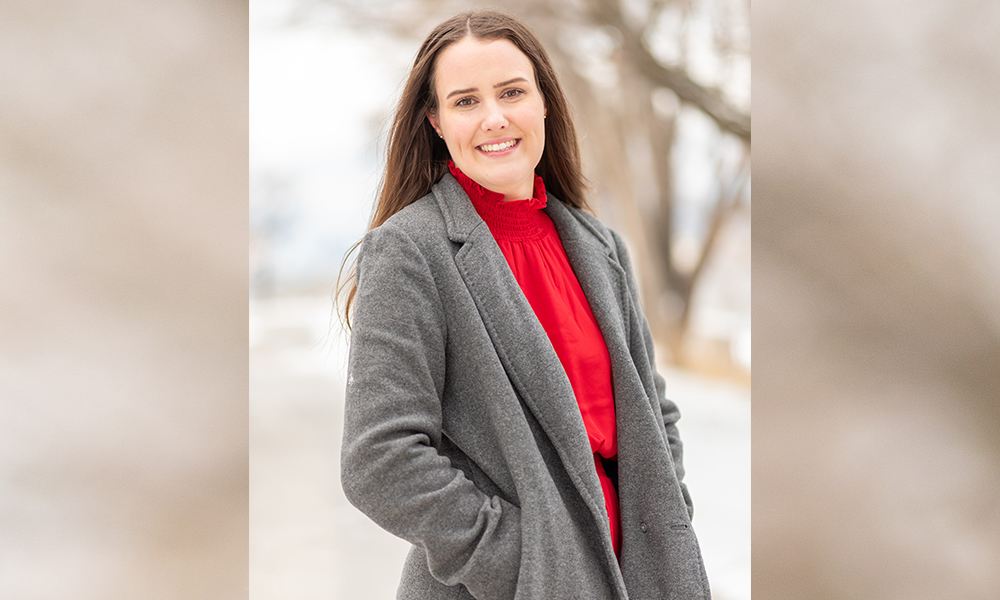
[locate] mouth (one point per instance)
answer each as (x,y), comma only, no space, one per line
(498,148)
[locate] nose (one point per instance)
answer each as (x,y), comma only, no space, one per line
(495,118)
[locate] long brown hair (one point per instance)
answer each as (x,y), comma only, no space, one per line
(417,158)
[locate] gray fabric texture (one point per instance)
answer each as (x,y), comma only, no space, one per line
(462,434)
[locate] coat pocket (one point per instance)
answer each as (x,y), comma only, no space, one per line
(473,472)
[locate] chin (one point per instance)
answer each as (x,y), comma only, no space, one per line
(507,179)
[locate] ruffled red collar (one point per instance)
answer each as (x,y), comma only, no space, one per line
(512,220)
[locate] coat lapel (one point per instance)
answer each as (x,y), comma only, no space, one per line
(520,340)
(601,278)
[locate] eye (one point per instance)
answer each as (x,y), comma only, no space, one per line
(465,102)
(513,93)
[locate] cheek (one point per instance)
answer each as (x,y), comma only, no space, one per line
(537,123)
(457,129)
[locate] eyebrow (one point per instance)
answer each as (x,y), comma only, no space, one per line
(499,85)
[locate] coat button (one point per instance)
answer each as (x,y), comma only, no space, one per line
(642,526)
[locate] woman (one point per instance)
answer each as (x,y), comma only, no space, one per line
(503,412)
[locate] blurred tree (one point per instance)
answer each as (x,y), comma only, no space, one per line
(632,68)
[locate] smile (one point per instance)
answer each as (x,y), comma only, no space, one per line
(487,148)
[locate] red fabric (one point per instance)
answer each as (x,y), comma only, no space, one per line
(530,243)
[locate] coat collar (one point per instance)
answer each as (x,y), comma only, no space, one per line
(461,218)
(518,336)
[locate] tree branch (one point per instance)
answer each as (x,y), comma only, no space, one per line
(724,207)
(727,117)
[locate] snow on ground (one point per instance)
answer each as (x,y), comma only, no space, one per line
(715,429)
(307,541)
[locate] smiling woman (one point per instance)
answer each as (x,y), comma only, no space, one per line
(494,127)
(503,411)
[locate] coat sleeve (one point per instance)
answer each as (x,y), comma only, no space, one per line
(668,409)
(390,467)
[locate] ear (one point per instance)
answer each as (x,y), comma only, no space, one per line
(433,121)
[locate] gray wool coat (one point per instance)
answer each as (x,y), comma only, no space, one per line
(462,434)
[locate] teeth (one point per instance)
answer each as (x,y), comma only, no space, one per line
(497,147)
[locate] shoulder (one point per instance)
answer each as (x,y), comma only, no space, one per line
(415,236)
(595,228)
(591,221)
(420,223)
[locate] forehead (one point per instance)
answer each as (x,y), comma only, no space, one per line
(476,63)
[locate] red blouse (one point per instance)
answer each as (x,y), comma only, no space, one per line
(530,243)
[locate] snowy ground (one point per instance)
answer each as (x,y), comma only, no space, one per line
(307,542)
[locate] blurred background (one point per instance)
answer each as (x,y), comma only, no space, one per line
(877,300)
(123,224)
(661,92)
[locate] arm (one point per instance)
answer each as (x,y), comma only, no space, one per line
(390,467)
(668,409)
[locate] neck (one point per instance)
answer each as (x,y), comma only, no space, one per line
(523,192)
(535,191)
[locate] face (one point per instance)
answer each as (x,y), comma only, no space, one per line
(491,114)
